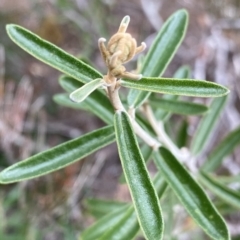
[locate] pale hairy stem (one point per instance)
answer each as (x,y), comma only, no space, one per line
(114,98)
(152,142)
(113,89)
(118,106)
(183,155)
(161,134)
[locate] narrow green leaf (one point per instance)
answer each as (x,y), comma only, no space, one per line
(104,224)
(143,194)
(63,100)
(169,203)
(222,150)
(143,122)
(97,102)
(188,87)
(101,207)
(166,44)
(182,136)
(223,207)
(80,94)
(206,125)
(182,73)
(228,195)
(51,54)
(229,179)
(179,107)
(127,227)
(146,153)
(160,184)
(58,157)
(161,52)
(69,84)
(191,195)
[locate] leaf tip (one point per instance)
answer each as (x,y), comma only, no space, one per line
(227,91)
(9,27)
(184,13)
(2,178)
(74,98)
(126,19)
(224,91)
(12,27)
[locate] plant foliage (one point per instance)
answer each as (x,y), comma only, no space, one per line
(86,89)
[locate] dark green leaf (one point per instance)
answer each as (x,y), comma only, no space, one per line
(58,157)
(161,52)
(182,136)
(160,184)
(69,84)
(143,194)
(143,122)
(51,54)
(146,153)
(191,195)
(222,150)
(228,195)
(206,126)
(127,227)
(182,73)
(188,87)
(179,107)
(223,207)
(229,179)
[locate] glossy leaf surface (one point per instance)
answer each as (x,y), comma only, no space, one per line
(51,54)
(80,94)
(228,195)
(222,150)
(179,107)
(97,102)
(58,157)
(188,87)
(161,52)
(146,153)
(143,194)
(191,195)
(206,125)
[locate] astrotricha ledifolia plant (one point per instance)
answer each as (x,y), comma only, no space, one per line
(143,113)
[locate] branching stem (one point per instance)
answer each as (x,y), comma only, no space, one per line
(118,106)
(161,134)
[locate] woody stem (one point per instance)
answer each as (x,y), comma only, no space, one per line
(113,94)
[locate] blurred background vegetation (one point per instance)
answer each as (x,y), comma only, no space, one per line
(52,207)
